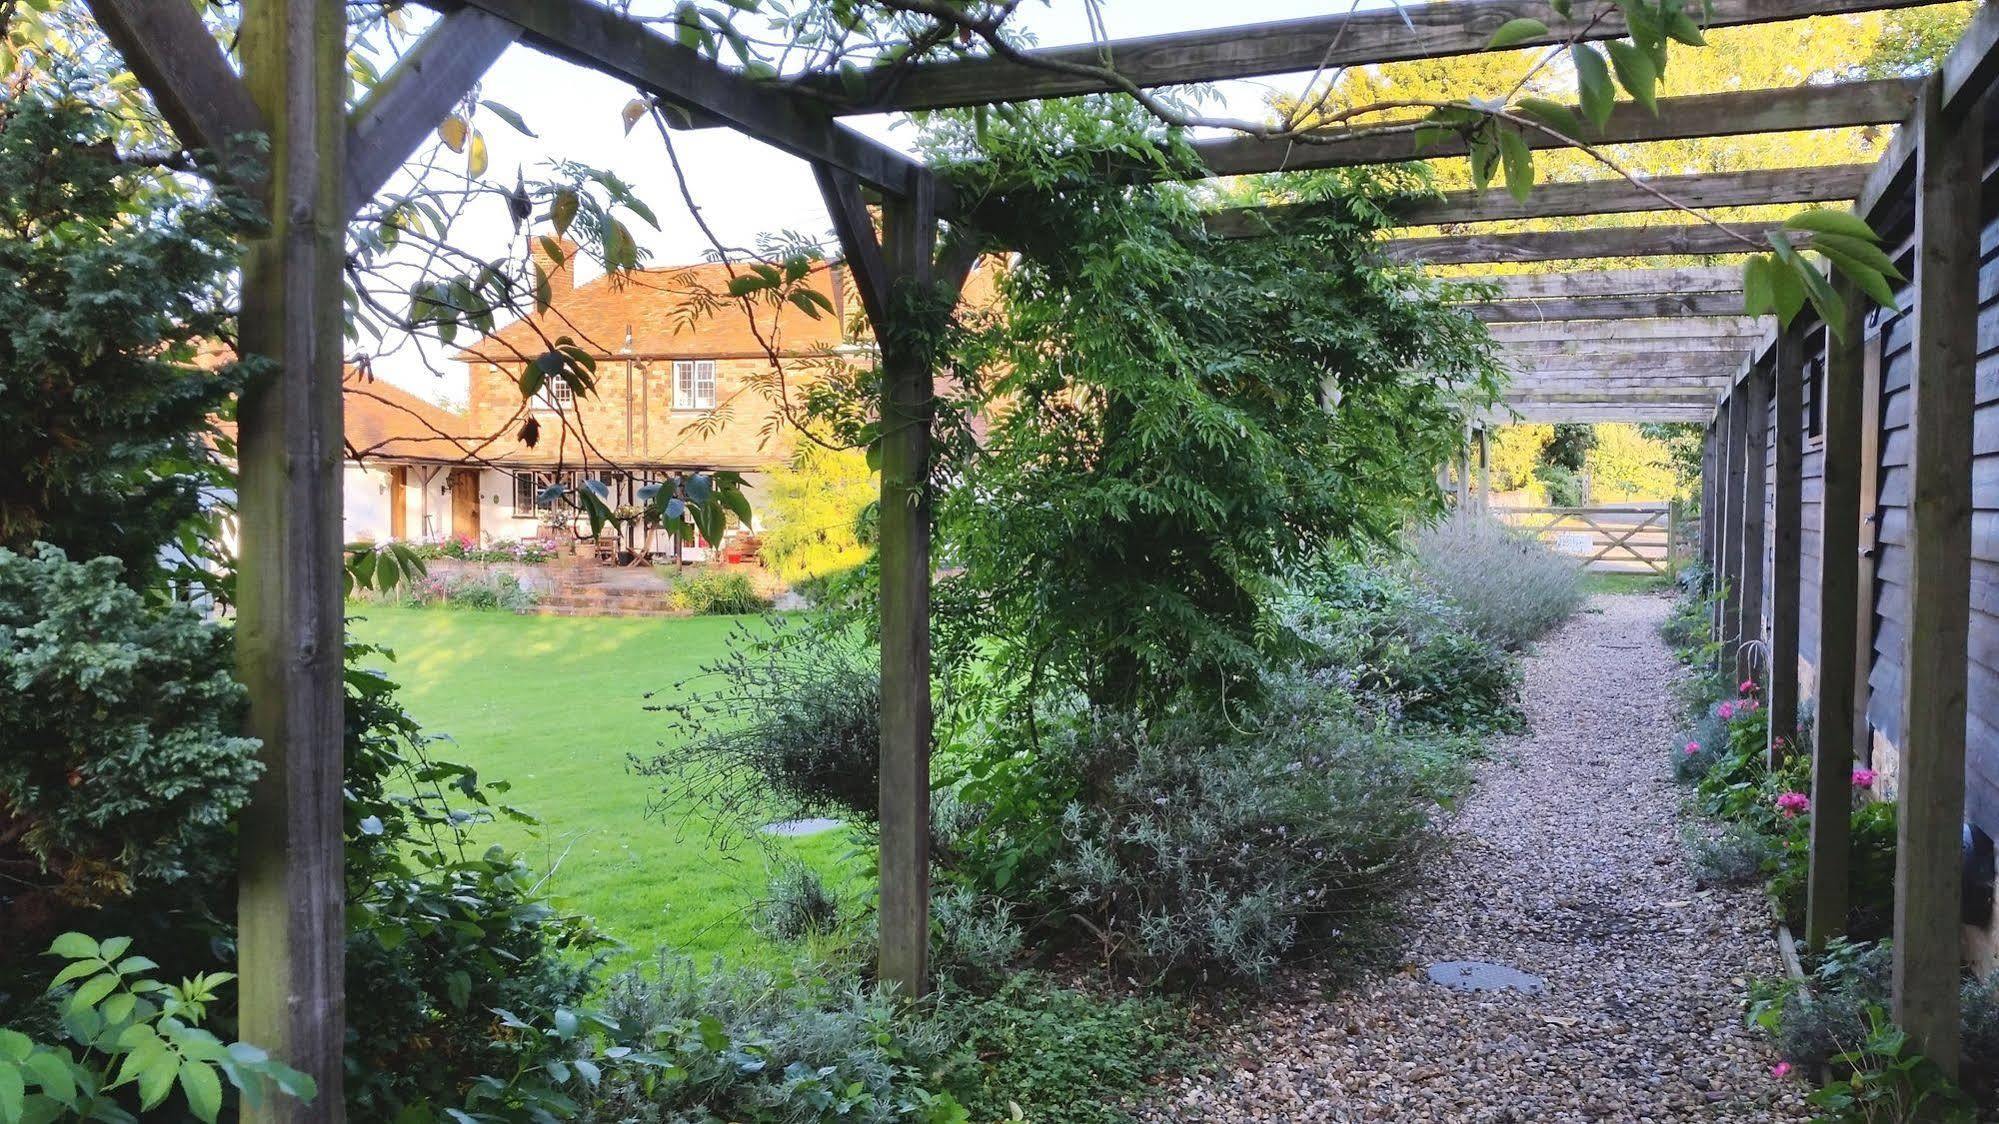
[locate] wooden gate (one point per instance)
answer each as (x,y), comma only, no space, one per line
(1616,538)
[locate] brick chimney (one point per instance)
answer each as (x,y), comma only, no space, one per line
(561,275)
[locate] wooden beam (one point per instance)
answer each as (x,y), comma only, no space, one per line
(291,913)
(1936,639)
(1972,64)
(1596,197)
(1839,595)
(409,101)
(1313,44)
(1743,331)
(1625,361)
(592,35)
(182,66)
(1652,395)
(1563,245)
(1613,282)
(1707,390)
(1609,308)
(1526,412)
(1736,113)
(1786,541)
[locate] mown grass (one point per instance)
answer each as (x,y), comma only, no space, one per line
(1596,581)
(556,706)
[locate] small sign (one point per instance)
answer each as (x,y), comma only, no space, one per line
(1575,542)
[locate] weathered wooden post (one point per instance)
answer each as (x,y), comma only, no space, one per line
(1826,901)
(908,289)
(289,620)
(1786,540)
(1484,469)
(1729,610)
(1755,392)
(1936,640)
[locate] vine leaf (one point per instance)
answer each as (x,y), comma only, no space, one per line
(1519,162)
(1638,73)
(1599,96)
(1517,31)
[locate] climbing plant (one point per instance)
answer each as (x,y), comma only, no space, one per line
(1176,420)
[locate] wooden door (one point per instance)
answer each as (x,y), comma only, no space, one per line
(465,503)
(398,502)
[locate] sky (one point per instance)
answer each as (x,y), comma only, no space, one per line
(746,188)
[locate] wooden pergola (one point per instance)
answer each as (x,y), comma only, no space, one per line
(1638,344)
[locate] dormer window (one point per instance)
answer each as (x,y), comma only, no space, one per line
(694,384)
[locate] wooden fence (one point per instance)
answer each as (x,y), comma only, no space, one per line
(1612,538)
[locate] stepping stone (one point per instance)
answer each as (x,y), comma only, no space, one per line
(1475,975)
(792,829)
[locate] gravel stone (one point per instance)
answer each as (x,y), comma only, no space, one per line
(1565,863)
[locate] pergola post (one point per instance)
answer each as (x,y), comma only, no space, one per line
(1755,392)
(291,911)
(1826,901)
(1730,609)
(1786,540)
(908,289)
(1930,782)
(1463,483)
(1484,469)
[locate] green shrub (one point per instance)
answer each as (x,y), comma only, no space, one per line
(1736,855)
(1038,1051)
(791,726)
(815,503)
(751,1046)
(1511,588)
(122,768)
(1563,485)
(1401,650)
(797,905)
(132,1040)
(707,591)
(1197,852)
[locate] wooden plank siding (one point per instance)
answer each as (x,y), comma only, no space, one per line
(1890,596)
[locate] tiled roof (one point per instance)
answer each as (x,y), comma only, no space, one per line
(385,421)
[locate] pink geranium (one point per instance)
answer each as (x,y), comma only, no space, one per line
(1693,748)
(1781,1070)
(1726,710)
(1792,803)
(1747,687)
(1863,778)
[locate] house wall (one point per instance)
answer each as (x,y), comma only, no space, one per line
(630,418)
(365,502)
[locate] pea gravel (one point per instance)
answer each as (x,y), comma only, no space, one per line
(1565,863)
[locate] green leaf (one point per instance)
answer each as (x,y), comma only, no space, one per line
(1757,293)
(1682,28)
(1867,253)
(92,990)
(458,988)
(53,1073)
(1519,162)
(156,1075)
(203,1091)
(114,947)
(1553,114)
(562,212)
(15,1046)
(13,1094)
(1824,220)
(1484,159)
(1870,280)
(1637,72)
(509,116)
(1517,31)
(73,946)
(1599,96)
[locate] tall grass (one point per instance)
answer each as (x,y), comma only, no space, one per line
(1512,588)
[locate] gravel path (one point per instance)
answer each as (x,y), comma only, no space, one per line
(1566,864)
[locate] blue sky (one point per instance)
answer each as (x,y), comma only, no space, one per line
(743,187)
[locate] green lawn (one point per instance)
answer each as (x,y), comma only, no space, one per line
(555,705)
(1600,582)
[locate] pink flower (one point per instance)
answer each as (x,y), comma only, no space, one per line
(1746,706)
(1747,687)
(1726,710)
(1781,1070)
(1693,748)
(1863,778)
(1791,803)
